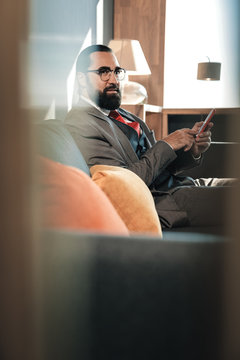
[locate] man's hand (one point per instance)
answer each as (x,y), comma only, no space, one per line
(183,138)
(186,139)
(203,141)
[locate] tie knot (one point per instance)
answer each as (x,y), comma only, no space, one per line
(133,124)
(114,114)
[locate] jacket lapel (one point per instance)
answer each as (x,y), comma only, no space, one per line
(118,138)
(149,133)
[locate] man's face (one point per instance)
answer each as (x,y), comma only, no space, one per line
(105,94)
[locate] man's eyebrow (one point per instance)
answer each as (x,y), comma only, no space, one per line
(108,68)
(104,68)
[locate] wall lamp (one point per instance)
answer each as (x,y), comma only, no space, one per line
(209,70)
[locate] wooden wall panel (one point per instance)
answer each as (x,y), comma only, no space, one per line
(144,21)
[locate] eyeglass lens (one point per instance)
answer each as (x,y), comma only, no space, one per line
(106,74)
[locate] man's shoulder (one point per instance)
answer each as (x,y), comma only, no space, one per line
(79,111)
(85,118)
(74,115)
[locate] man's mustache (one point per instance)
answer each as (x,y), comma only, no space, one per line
(112,87)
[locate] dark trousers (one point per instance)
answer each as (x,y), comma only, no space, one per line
(206,203)
(201,205)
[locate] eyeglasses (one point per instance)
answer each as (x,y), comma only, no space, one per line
(105,73)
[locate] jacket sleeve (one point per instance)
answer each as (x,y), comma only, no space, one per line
(100,146)
(154,162)
(97,149)
(183,161)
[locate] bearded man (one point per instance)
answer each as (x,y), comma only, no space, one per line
(108,135)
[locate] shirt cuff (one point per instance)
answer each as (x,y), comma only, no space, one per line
(197,157)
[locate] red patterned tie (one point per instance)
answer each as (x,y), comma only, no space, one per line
(134,124)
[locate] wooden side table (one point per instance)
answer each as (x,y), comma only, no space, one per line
(227,112)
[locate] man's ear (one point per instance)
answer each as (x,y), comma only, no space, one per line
(81,78)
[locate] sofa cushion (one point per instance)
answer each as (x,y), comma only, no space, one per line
(130,196)
(71,200)
(55,142)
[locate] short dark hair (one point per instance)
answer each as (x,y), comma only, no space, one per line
(83,60)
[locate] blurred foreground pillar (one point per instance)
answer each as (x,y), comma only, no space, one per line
(16,230)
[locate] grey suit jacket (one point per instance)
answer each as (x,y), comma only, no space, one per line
(101,141)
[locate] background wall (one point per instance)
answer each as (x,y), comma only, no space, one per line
(194,30)
(144,21)
(59,30)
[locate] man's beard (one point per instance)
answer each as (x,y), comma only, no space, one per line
(108,101)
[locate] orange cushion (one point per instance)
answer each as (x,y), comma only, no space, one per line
(130,196)
(71,200)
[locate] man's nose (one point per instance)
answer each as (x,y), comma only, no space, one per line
(113,78)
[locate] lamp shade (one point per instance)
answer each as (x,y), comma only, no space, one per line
(130,56)
(209,71)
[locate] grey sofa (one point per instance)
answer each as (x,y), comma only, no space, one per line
(110,297)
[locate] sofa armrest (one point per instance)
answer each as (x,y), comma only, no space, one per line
(108,297)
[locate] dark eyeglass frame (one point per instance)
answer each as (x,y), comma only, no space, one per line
(108,72)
